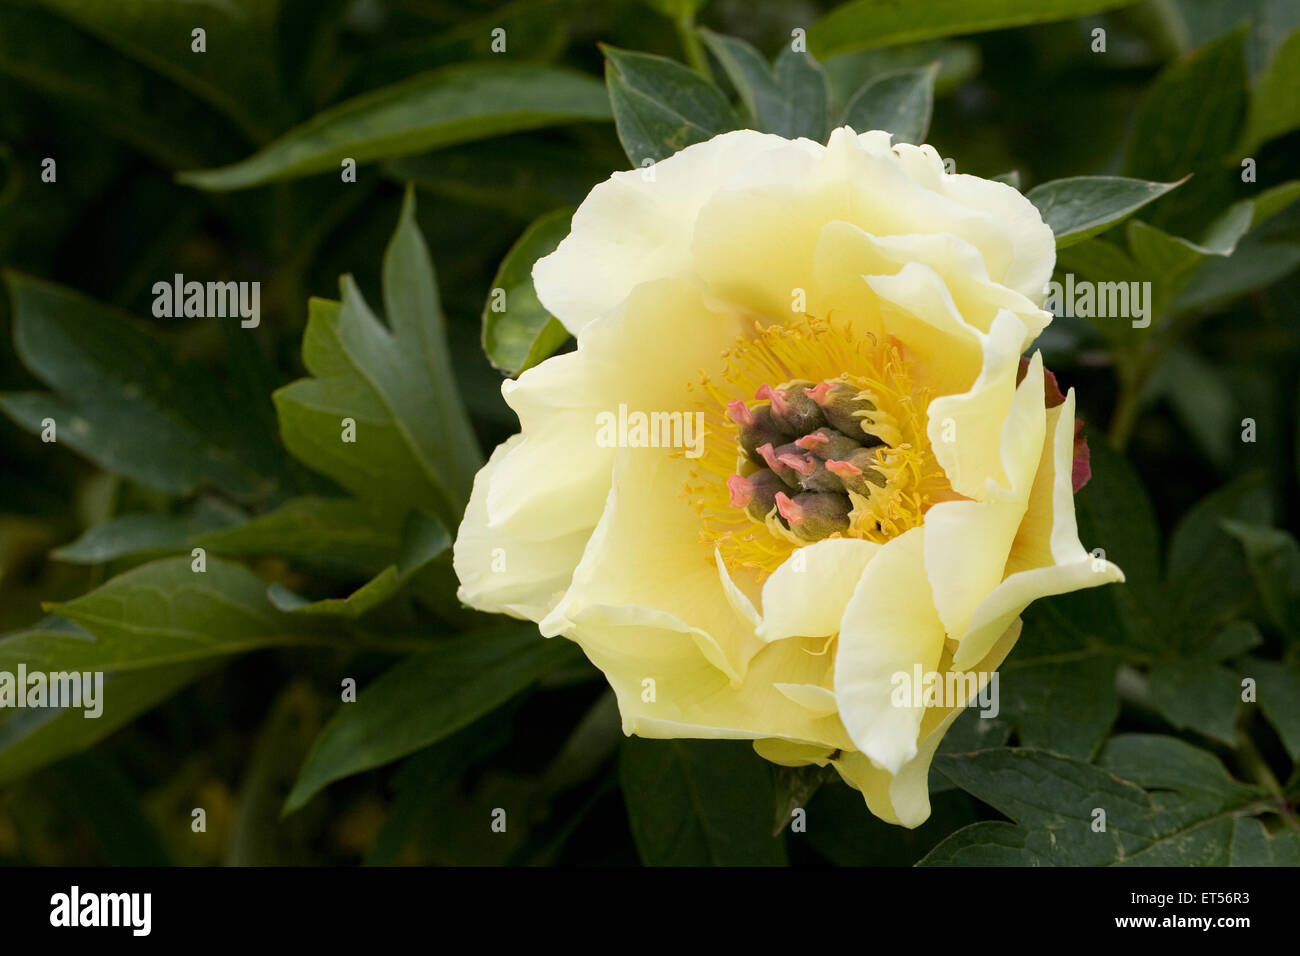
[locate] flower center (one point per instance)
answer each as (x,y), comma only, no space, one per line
(815,432)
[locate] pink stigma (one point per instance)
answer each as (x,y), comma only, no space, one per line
(818,392)
(789,509)
(739,412)
(842,469)
(769,456)
(778,400)
(742,491)
(812,441)
(799,463)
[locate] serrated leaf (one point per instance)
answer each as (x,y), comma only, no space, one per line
(1083,206)
(425,698)
(524,333)
(699,803)
(900,103)
(871,23)
(660,106)
(453,105)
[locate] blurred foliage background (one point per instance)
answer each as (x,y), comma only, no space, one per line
(169,437)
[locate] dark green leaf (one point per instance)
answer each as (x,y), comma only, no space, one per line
(1080,207)
(345,533)
(29,739)
(699,803)
(453,105)
(523,333)
(1189,118)
(1054,803)
(1193,695)
(1274,98)
(121,398)
(871,23)
(423,539)
(958,61)
(805,97)
(425,698)
(414,447)
(898,102)
(113,94)
(1274,560)
(147,534)
(660,106)
(159,613)
(1278,694)
(237,71)
(1208,580)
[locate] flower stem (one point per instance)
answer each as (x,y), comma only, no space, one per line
(692,46)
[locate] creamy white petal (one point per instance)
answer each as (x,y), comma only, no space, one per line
(666,688)
(643,357)
(903,797)
(636,227)
(1046,557)
(807,594)
(965,429)
(647,563)
(503,574)
(890,626)
(967,542)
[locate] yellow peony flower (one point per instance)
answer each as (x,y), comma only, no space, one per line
(795,455)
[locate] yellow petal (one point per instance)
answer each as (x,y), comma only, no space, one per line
(1032,246)
(645,355)
(636,227)
(792,753)
(889,627)
(666,688)
(967,542)
(806,596)
(500,573)
(1046,557)
(965,429)
(647,563)
(903,797)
